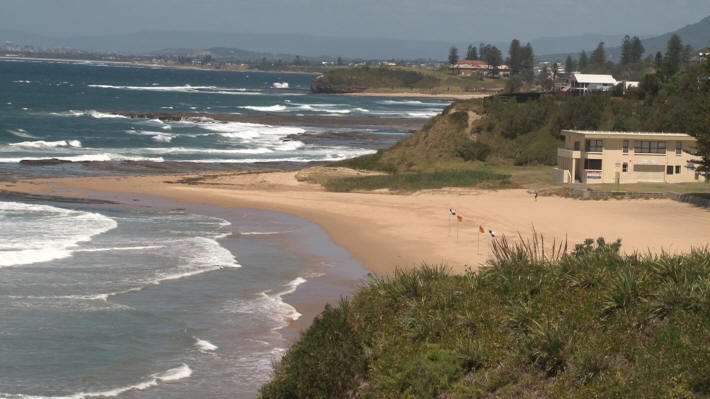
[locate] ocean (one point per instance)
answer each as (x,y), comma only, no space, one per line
(154,299)
(70,112)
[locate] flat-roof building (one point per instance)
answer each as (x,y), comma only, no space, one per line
(631,157)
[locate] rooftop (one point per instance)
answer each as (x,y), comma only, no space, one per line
(630,134)
(595,79)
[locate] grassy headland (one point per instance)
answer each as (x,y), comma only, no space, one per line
(401,80)
(585,324)
(519,135)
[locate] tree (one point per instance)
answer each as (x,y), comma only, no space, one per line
(658,62)
(637,49)
(472,53)
(527,63)
(626,51)
(569,64)
(515,57)
(598,56)
(492,56)
(701,108)
(583,61)
(453,55)
(673,57)
(686,54)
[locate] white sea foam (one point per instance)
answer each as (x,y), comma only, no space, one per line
(111,249)
(267,108)
(158,137)
(280,85)
(185,150)
(290,146)
(204,346)
(44,232)
(90,113)
(202,255)
(424,114)
(41,144)
(181,89)
(174,374)
(272,305)
(21,133)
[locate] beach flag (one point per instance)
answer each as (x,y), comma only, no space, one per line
(452,212)
(481,230)
(493,234)
(460,218)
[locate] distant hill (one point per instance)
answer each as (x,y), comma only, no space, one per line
(226,53)
(696,35)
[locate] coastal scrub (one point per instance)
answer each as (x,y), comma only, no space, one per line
(585,323)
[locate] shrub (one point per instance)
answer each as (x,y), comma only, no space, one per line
(473,151)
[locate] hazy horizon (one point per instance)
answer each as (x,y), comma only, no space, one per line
(447,20)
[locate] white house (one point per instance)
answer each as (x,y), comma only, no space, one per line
(584,83)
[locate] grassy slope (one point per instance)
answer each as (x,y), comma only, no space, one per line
(588,324)
(405,79)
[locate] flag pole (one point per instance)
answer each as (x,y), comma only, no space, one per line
(449,223)
(478,244)
(457,230)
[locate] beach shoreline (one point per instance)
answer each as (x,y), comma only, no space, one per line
(387,231)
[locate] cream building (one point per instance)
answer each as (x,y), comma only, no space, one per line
(603,157)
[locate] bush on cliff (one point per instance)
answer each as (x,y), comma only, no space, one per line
(585,324)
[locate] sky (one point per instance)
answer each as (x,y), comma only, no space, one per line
(436,20)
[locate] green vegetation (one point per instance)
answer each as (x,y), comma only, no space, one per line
(401,79)
(476,134)
(586,324)
(417,181)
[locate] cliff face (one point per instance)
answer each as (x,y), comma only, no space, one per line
(321,84)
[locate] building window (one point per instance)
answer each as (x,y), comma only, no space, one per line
(625,167)
(576,145)
(678,147)
(677,169)
(593,164)
(650,147)
(594,145)
(626,146)
(669,170)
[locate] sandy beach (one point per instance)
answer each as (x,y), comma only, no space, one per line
(386,231)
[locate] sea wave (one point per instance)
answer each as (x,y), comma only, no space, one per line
(267,108)
(183,89)
(272,305)
(40,233)
(158,137)
(41,144)
(178,373)
(90,113)
(204,346)
(21,133)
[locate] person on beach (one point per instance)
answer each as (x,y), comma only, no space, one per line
(535,195)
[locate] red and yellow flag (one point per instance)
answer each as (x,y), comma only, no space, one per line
(481,229)
(460,218)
